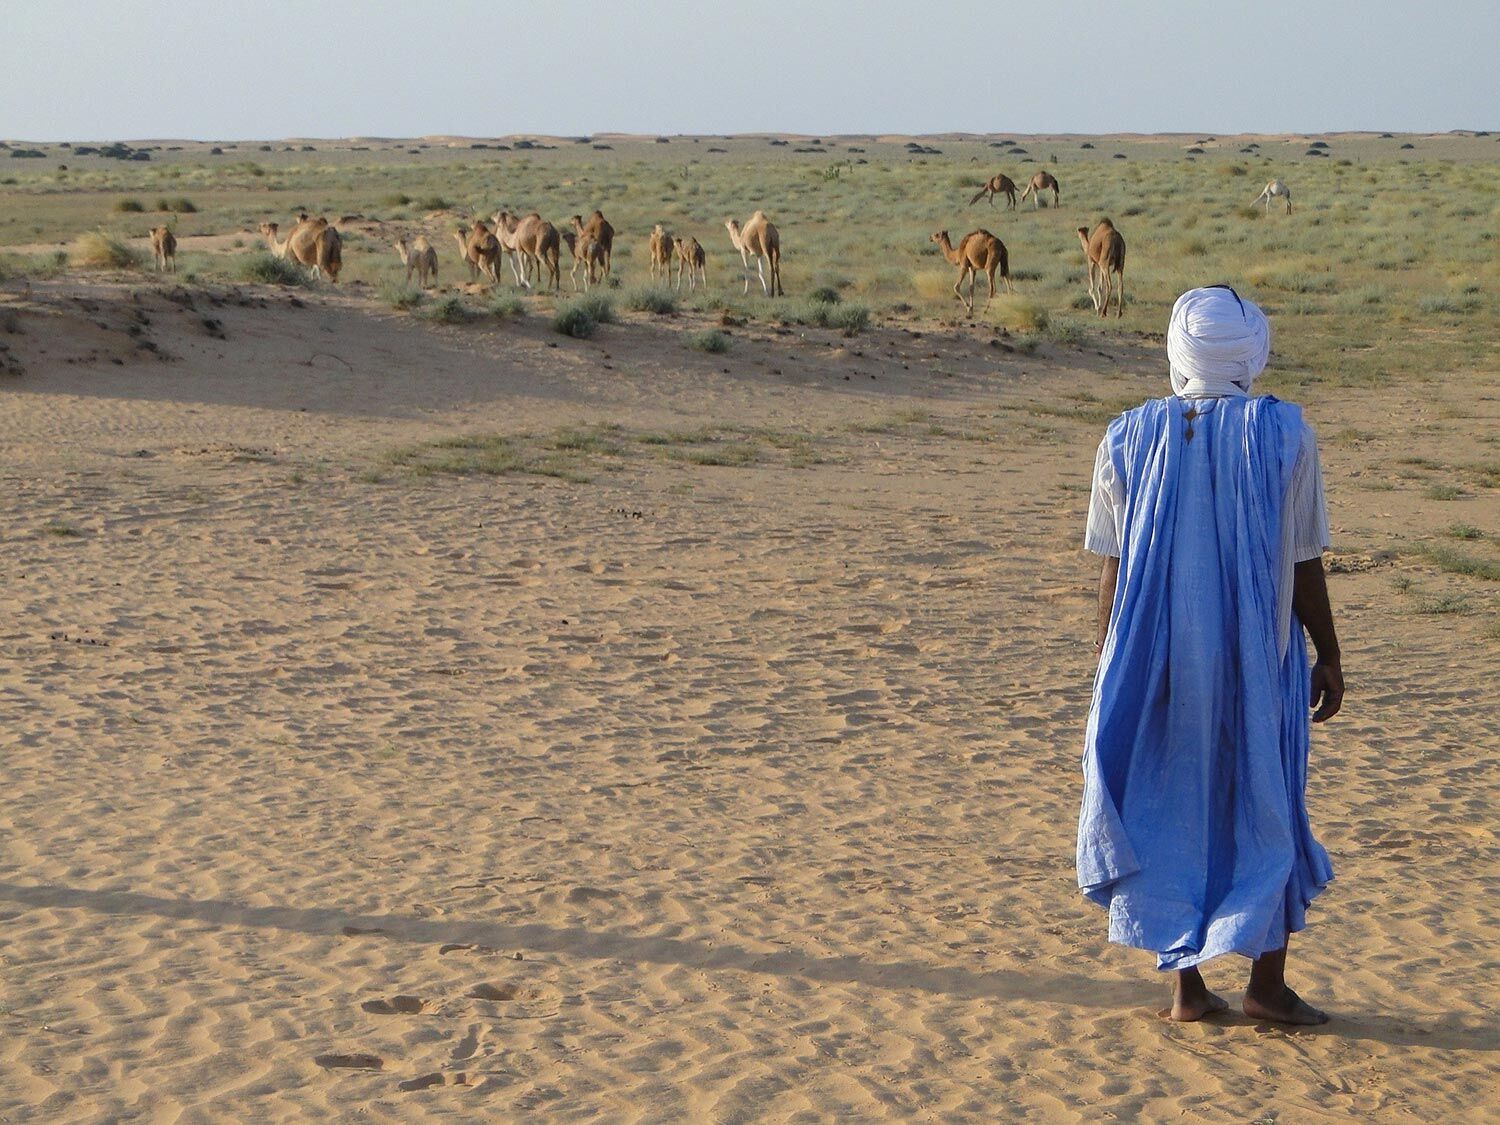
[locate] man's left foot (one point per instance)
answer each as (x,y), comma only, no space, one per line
(1286,1008)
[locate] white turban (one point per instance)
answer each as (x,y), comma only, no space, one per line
(1217,342)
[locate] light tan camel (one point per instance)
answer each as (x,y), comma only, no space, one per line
(692,259)
(1273,189)
(164,247)
(762,241)
(1105,250)
(979,252)
(313,243)
(586,252)
(599,229)
(506,226)
(418,257)
(1042,181)
(661,246)
(537,241)
(998,184)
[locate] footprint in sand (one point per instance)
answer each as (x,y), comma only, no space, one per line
(396,1005)
(349,1062)
(493,992)
(421,1082)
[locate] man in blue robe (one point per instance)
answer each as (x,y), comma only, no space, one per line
(1208,508)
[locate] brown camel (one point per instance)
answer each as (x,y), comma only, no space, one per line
(762,241)
(313,243)
(662,245)
(979,252)
(1105,250)
(691,258)
(586,252)
(537,241)
(418,257)
(999,184)
(1042,181)
(599,229)
(164,247)
(480,249)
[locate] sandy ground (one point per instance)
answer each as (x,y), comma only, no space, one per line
(692,792)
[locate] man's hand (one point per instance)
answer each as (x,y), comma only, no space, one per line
(1327,691)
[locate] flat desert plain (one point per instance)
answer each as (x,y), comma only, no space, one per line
(416,717)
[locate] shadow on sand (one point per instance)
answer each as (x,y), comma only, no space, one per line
(1005,985)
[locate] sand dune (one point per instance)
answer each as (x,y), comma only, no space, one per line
(696,791)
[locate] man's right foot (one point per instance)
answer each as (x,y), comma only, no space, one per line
(1288,1007)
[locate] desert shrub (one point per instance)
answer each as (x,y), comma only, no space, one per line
(395,199)
(450,310)
(847,318)
(97,249)
(712,341)
(129,206)
(401,296)
(179,206)
(268,269)
(574,320)
(651,299)
(1453,306)
(825,295)
(1020,314)
(507,305)
(598,306)
(432,203)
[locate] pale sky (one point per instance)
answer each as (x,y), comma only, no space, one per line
(227,69)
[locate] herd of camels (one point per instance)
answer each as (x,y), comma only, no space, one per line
(533,247)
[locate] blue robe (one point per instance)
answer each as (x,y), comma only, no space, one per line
(1194,830)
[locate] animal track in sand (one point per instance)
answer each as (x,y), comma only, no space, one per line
(421,1082)
(349,1062)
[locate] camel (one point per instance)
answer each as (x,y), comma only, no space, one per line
(164,246)
(506,226)
(998,184)
(418,257)
(312,242)
(480,249)
(599,229)
(979,251)
(691,257)
(661,252)
(1042,181)
(587,252)
(537,240)
(1105,250)
(1272,190)
(762,241)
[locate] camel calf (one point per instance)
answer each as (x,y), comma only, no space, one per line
(164,247)
(587,252)
(691,258)
(662,245)
(418,257)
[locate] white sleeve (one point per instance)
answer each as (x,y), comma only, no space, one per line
(1307,507)
(1106,507)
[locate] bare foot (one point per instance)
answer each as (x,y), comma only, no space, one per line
(1191,999)
(1288,1007)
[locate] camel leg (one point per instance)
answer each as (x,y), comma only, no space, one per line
(1121,308)
(760,272)
(1106,283)
(990,278)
